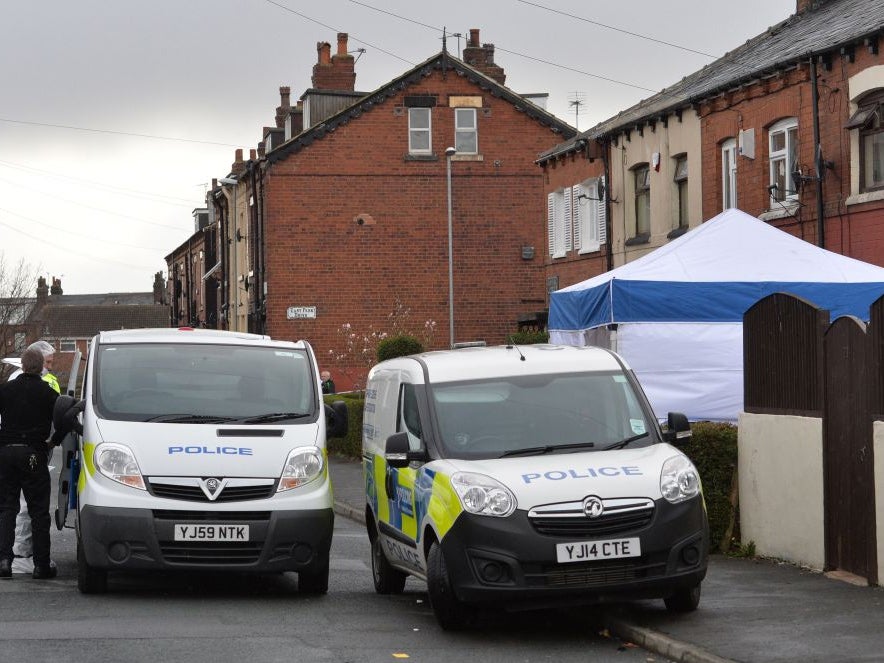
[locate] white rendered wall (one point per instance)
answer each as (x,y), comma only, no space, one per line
(781,486)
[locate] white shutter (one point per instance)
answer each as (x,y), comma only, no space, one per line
(551,223)
(579,215)
(569,193)
(602,214)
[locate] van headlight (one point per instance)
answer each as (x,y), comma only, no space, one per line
(302,466)
(483,495)
(679,480)
(117,463)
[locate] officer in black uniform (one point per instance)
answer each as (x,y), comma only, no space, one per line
(26,405)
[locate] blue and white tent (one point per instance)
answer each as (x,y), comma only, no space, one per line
(676,314)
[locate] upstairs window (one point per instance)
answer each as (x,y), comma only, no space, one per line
(590,219)
(466,137)
(642,179)
(783,154)
(419,131)
(868,120)
(681,190)
(558,222)
(729,174)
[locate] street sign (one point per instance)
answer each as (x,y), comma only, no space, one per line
(300,312)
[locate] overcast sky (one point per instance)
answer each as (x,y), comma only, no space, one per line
(115,115)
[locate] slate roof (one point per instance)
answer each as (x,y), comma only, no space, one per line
(439,61)
(831,25)
(86,320)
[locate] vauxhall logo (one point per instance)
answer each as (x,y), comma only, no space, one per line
(212,487)
(593,507)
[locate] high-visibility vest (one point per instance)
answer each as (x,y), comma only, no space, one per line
(52,381)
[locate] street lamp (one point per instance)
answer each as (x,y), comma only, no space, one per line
(450,152)
(235,287)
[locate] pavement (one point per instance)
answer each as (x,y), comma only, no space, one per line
(751,610)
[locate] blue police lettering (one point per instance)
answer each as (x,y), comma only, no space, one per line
(583,473)
(223,451)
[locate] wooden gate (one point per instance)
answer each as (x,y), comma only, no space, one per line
(848,459)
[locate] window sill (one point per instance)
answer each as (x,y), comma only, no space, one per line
(467,157)
(644,238)
(867,197)
(791,206)
(420,157)
(677,232)
(593,248)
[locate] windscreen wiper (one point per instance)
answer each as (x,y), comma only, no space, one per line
(623,443)
(549,448)
(188,419)
(273,416)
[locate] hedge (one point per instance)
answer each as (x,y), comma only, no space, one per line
(712,448)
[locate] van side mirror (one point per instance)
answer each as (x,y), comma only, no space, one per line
(397,453)
(65,413)
(336,419)
(679,430)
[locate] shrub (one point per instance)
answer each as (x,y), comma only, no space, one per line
(713,450)
(398,346)
(351,445)
(528,337)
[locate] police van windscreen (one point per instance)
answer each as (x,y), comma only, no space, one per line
(551,413)
(191,383)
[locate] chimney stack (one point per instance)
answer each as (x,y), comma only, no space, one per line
(159,289)
(482,57)
(42,291)
(282,111)
(56,287)
(334,72)
(238,166)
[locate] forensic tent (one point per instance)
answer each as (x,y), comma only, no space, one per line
(676,314)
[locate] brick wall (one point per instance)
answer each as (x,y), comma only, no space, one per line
(318,255)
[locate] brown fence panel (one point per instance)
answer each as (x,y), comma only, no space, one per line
(875,331)
(848,458)
(783,356)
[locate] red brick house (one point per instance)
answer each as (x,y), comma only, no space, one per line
(194,272)
(787,127)
(346,221)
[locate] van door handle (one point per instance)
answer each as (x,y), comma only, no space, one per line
(389,487)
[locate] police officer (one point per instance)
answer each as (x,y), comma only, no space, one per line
(23,547)
(26,405)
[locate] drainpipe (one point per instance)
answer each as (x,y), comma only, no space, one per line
(818,157)
(609,236)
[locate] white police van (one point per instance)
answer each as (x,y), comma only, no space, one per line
(527,477)
(199,450)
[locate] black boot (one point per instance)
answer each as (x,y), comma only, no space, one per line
(45,572)
(5,568)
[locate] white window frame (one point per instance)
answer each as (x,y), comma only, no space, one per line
(558,222)
(590,216)
(729,174)
(681,184)
(67,345)
(414,131)
(466,130)
(787,155)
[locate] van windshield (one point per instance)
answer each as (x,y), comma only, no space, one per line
(532,415)
(191,383)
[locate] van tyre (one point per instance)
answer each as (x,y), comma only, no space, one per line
(89,579)
(387,580)
(313,582)
(684,600)
(452,614)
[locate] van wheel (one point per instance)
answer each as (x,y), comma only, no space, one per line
(684,600)
(452,614)
(387,580)
(313,582)
(89,579)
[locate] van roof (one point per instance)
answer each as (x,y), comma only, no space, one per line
(504,360)
(190,335)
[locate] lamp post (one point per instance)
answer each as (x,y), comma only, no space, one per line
(450,152)
(235,287)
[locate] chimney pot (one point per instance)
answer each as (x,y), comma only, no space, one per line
(238,158)
(252,154)
(474,36)
(324,50)
(342,43)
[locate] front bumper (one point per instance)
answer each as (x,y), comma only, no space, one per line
(127,539)
(505,559)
